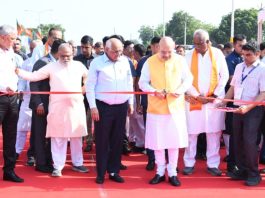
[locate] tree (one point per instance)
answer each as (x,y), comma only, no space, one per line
(148,32)
(245,23)
(45,28)
(175,28)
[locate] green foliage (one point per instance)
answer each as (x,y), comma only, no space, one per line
(148,32)
(245,23)
(45,28)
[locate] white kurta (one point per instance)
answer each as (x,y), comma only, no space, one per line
(207,119)
(25,113)
(166,131)
(66,117)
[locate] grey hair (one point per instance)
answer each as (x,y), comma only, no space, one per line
(202,33)
(64,45)
(7,29)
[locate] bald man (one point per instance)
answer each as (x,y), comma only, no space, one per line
(167,75)
(67,117)
(109,73)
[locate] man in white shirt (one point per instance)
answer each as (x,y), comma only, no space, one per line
(8,101)
(247,84)
(109,73)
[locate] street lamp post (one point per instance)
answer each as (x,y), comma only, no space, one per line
(232,21)
(185,30)
(164,25)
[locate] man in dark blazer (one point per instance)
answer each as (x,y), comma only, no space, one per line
(39,104)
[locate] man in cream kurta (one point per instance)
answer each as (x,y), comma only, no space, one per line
(66,118)
(167,75)
(210,77)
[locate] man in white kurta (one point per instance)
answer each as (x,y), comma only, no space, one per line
(205,119)
(167,75)
(66,118)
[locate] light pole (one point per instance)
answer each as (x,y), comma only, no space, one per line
(232,21)
(185,29)
(39,12)
(164,25)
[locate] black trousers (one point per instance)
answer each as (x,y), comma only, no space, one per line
(42,145)
(245,130)
(109,132)
(8,119)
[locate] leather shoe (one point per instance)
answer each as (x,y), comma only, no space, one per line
(123,167)
(188,170)
(262,171)
(214,171)
(11,176)
(150,165)
(30,161)
(253,181)
(44,169)
(174,181)
(157,179)
(88,148)
(116,177)
(100,180)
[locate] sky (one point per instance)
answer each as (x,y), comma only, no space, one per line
(99,18)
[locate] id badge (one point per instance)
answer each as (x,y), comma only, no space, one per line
(238,93)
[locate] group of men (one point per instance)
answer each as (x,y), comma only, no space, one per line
(186,98)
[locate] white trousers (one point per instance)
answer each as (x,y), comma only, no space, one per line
(20,141)
(59,150)
(136,128)
(171,167)
(212,153)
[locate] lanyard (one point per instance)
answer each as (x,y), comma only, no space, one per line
(244,77)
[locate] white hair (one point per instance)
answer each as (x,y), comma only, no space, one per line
(202,33)
(7,29)
(64,46)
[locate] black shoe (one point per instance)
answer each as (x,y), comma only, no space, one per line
(174,181)
(11,176)
(214,171)
(17,156)
(262,161)
(188,170)
(44,169)
(31,161)
(237,175)
(116,177)
(150,165)
(253,181)
(88,148)
(100,180)
(126,150)
(123,167)
(137,149)
(157,179)
(262,171)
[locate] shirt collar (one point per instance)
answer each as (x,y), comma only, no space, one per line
(106,58)
(255,64)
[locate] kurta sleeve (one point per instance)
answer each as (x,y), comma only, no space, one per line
(144,82)
(186,78)
(41,74)
(91,84)
(223,75)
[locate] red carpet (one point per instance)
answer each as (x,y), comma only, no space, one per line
(72,184)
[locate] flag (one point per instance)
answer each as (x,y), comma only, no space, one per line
(20,29)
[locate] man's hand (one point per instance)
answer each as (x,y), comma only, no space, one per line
(17,70)
(175,95)
(161,94)
(9,91)
(243,109)
(40,110)
(139,109)
(130,109)
(94,114)
(203,100)
(191,99)
(20,96)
